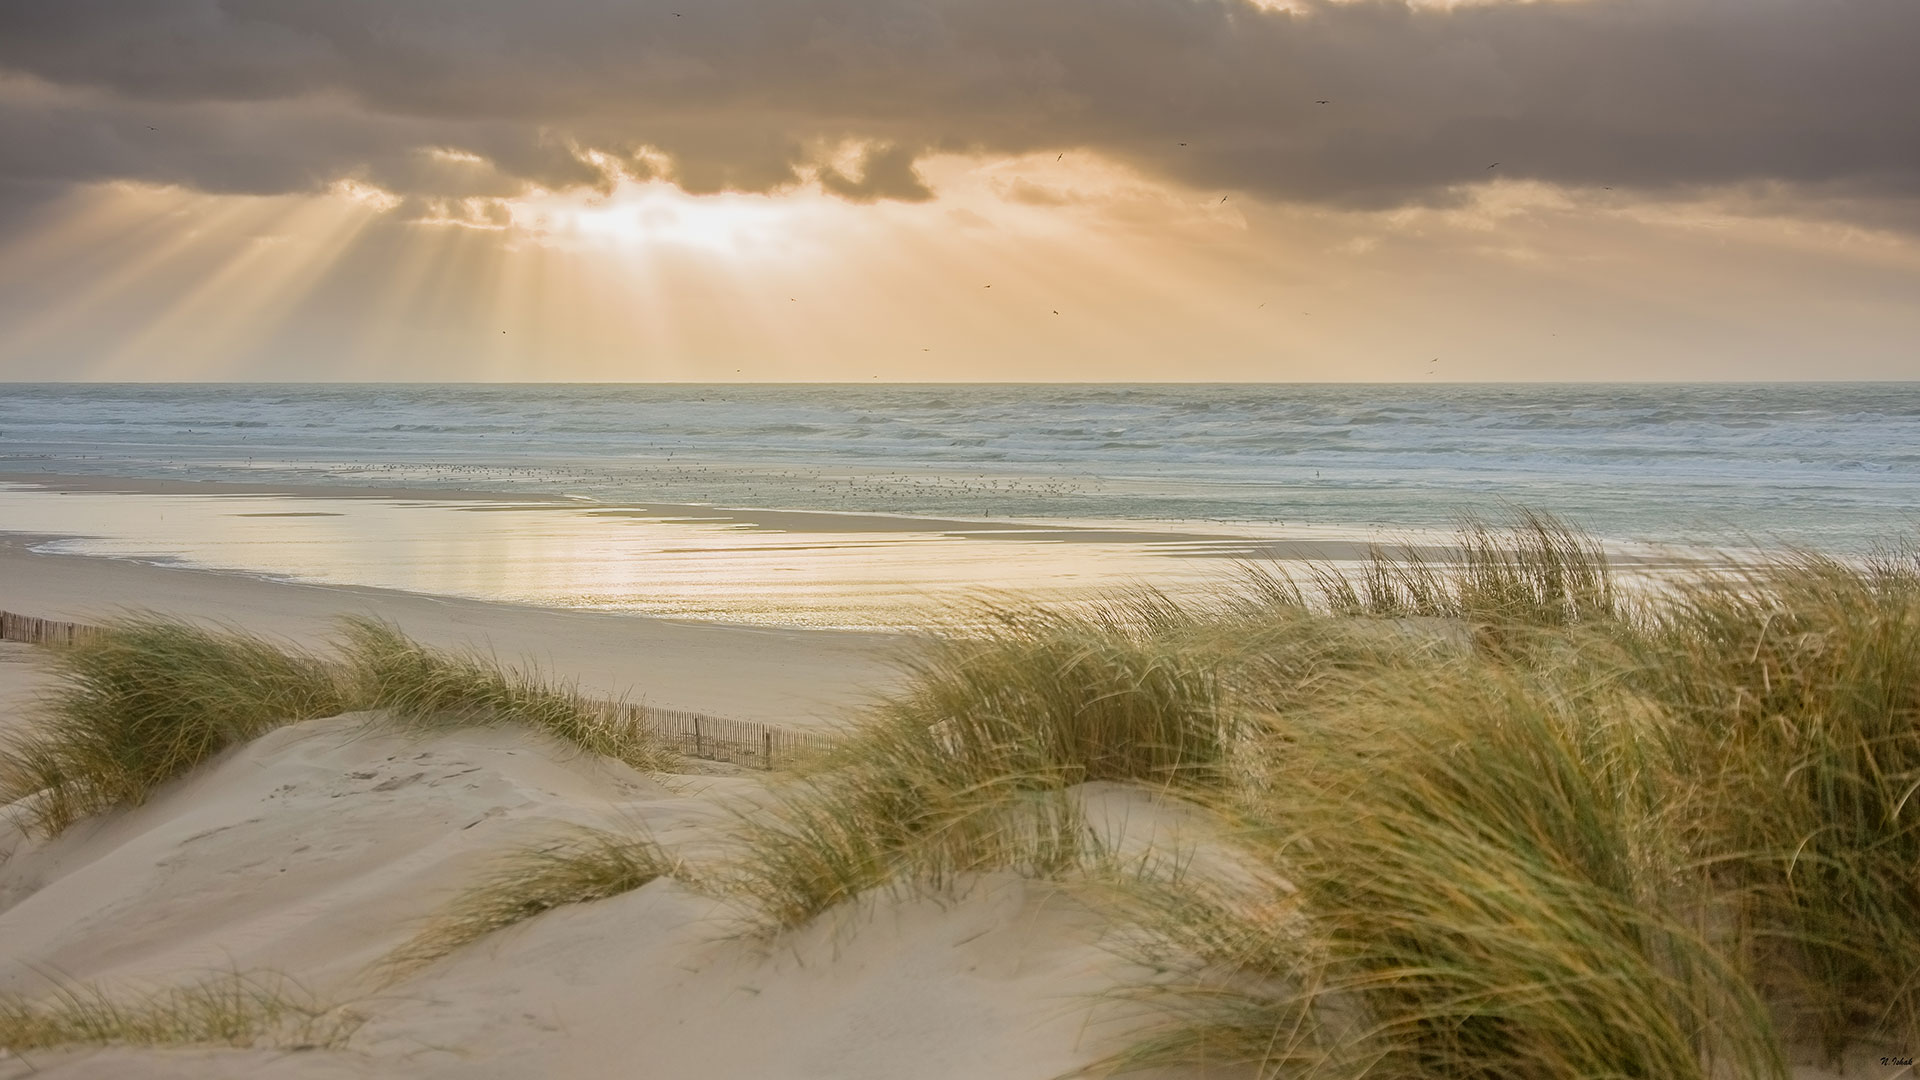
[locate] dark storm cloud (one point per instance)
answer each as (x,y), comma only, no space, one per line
(289,95)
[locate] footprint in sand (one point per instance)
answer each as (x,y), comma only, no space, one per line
(397,782)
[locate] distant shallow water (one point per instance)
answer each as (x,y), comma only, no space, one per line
(1832,465)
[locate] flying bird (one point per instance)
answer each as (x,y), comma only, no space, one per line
(1495,165)
(1223,198)
(1322,101)
(1183,144)
(1056,313)
(1059,155)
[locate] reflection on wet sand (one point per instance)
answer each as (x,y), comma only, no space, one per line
(770,567)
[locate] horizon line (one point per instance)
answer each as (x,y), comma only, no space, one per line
(958,382)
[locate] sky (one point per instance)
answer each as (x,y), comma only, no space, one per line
(907,190)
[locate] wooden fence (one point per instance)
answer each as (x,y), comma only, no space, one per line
(697,735)
(17,627)
(716,738)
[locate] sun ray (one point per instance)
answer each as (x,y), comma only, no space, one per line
(141,247)
(289,245)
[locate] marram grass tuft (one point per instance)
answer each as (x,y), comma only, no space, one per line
(150,698)
(584,866)
(145,702)
(231,1009)
(420,685)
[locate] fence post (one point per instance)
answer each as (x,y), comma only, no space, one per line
(699,744)
(767,737)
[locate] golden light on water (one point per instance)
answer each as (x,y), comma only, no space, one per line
(582,557)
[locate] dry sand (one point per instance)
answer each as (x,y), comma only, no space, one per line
(794,677)
(314,850)
(21,679)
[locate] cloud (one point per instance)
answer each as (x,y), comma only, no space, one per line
(1026,192)
(750,95)
(886,172)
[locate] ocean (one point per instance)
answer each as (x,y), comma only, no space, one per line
(1832,466)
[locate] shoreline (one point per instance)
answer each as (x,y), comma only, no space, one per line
(804,678)
(859,572)
(695,565)
(1304,542)
(1718,466)
(1314,538)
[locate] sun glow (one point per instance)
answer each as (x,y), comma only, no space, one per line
(1050,265)
(639,215)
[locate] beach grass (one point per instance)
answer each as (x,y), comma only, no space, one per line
(150,698)
(1794,690)
(1464,871)
(973,765)
(1493,818)
(1532,570)
(970,768)
(230,1009)
(821,843)
(1067,697)
(581,867)
(424,686)
(147,701)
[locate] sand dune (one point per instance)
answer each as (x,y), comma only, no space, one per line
(316,849)
(292,852)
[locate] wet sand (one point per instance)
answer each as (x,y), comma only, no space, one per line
(780,568)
